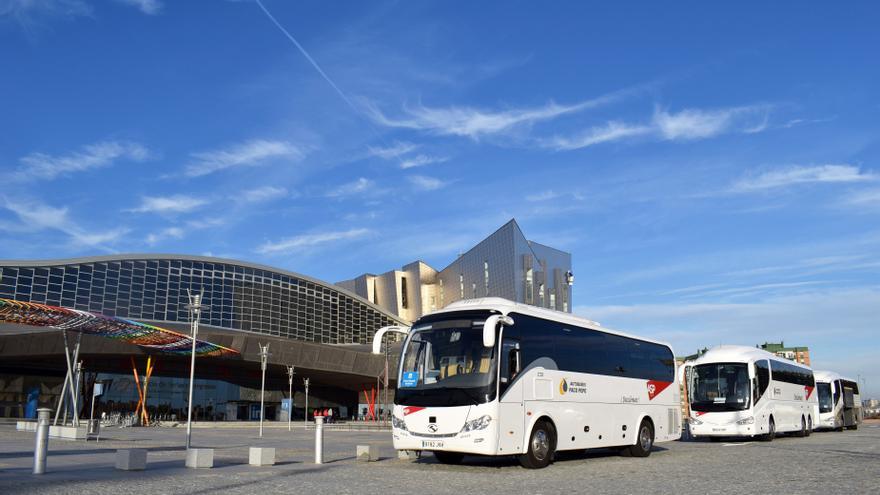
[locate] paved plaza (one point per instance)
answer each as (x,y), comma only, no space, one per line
(823,463)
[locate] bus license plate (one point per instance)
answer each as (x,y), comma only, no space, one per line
(432,444)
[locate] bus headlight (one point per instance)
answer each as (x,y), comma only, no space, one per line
(480,423)
(695,421)
(748,421)
(398,423)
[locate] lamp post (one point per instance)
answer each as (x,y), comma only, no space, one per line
(195,310)
(306,413)
(290,374)
(264,356)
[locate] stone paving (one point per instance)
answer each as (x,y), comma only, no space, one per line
(822,463)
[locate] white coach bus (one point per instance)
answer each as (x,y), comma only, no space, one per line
(493,377)
(840,405)
(737,391)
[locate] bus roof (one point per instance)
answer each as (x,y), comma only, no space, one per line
(505,306)
(740,354)
(826,376)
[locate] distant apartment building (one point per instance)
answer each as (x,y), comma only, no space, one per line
(797,354)
(505,264)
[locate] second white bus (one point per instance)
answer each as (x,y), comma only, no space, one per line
(738,391)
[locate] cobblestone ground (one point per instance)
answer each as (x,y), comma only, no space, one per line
(847,462)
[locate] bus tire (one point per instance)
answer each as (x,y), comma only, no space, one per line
(809,425)
(448,457)
(542,445)
(771,431)
(803,431)
(644,440)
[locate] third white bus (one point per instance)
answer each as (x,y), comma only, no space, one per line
(840,405)
(738,391)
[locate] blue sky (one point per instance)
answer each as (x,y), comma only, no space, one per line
(713,170)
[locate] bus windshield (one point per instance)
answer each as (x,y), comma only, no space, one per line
(824,390)
(720,387)
(445,364)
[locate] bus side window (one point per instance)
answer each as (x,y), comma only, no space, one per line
(762,377)
(510,363)
(837,389)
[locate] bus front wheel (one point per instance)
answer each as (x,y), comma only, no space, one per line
(542,445)
(803,431)
(771,431)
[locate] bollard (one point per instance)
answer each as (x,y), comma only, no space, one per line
(319,439)
(42,445)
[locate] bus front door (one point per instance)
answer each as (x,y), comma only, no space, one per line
(511,415)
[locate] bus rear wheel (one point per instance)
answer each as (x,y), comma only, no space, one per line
(644,440)
(448,457)
(809,426)
(803,431)
(542,445)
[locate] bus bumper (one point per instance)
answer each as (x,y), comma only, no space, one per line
(722,430)
(478,443)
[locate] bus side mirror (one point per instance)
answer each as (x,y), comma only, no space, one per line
(489,328)
(377,337)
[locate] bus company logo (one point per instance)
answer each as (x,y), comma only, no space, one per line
(563,387)
(808,390)
(655,387)
(411,409)
(432,427)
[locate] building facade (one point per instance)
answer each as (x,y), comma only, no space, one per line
(797,354)
(322,329)
(505,264)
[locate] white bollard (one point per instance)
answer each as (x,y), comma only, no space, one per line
(42,442)
(319,439)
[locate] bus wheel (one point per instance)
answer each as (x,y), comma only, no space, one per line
(809,426)
(644,440)
(542,444)
(771,431)
(803,431)
(448,457)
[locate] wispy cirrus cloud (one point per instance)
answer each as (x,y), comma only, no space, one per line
(543,196)
(164,234)
(870,197)
(686,125)
(801,174)
(305,241)
(476,123)
(611,131)
(397,149)
(26,12)
(177,203)
(36,216)
(260,194)
(149,7)
(92,156)
(421,160)
(248,154)
(359,186)
(426,183)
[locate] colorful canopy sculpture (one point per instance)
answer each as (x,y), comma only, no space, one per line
(132,332)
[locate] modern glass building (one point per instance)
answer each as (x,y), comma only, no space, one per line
(320,328)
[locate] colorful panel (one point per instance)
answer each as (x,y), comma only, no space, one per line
(132,332)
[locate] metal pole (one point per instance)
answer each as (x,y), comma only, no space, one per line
(385,405)
(69,371)
(76,391)
(42,442)
(290,374)
(264,355)
(306,413)
(319,439)
(195,306)
(61,398)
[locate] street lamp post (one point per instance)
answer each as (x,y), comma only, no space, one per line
(264,356)
(195,307)
(290,374)
(306,413)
